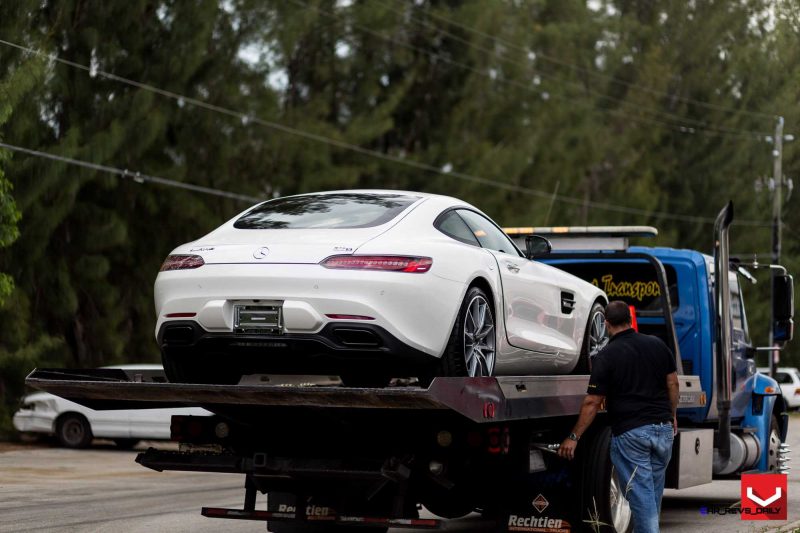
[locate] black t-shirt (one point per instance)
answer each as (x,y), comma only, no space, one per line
(631,372)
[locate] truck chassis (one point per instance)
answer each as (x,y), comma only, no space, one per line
(364,459)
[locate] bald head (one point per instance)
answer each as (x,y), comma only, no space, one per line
(618,315)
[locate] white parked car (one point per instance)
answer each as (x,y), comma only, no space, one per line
(75,425)
(789,381)
(369,284)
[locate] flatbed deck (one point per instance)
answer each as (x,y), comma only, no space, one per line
(492,399)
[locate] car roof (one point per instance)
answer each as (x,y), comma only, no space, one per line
(421,195)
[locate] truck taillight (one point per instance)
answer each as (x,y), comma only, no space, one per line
(499,440)
(391,263)
(634,323)
(182,262)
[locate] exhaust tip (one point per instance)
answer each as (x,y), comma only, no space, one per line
(357,338)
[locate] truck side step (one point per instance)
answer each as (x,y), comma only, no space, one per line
(366,521)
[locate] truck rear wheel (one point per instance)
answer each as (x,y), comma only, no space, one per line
(605,507)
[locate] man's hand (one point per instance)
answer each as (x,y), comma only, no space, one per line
(567,449)
(674,425)
(591,404)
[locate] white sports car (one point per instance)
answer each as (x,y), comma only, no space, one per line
(369,285)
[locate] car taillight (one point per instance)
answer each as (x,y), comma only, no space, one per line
(392,263)
(797,391)
(181,262)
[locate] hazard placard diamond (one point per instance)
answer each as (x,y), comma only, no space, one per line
(540,503)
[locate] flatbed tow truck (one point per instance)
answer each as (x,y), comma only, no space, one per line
(337,459)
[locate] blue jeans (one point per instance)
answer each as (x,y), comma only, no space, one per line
(640,457)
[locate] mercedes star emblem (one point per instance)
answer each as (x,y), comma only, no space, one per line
(261,253)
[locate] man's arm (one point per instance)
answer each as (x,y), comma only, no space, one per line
(591,404)
(672,390)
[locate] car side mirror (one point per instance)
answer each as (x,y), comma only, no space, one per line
(782,308)
(537,246)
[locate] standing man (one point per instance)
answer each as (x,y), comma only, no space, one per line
(637,377)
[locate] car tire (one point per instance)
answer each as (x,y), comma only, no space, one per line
(74,431)
(595,338)
(456,360)
(126,444)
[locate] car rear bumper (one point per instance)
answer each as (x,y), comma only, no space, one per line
(339,347)
(416,309)
(792,400)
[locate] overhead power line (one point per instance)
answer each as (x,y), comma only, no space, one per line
(591,72)
(145,178)
(248,118)
(136,176)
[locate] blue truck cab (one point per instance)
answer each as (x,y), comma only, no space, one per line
(750,420)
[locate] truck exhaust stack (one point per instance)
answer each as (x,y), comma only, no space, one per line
(722,297)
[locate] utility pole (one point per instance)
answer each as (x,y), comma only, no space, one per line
(777,204)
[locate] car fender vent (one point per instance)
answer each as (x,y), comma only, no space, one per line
(360,338)
(178,335)
(567,302)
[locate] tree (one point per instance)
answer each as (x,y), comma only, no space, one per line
(546,112)
(17,80)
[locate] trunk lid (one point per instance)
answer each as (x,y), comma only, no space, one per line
(301,246)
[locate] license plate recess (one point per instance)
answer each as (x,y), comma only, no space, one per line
(257,319)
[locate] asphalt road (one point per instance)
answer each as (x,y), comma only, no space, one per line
(101,489)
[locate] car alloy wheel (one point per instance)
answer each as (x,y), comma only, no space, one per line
(598,334)
(479,338)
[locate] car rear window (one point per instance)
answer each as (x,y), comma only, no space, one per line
(326,211)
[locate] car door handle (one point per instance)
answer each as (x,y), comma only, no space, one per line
(512,267)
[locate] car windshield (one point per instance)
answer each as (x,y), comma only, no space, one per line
(326,211)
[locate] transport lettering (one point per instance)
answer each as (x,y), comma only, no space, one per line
(635,290)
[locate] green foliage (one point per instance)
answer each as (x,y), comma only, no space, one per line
(9,214)
(592,101)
